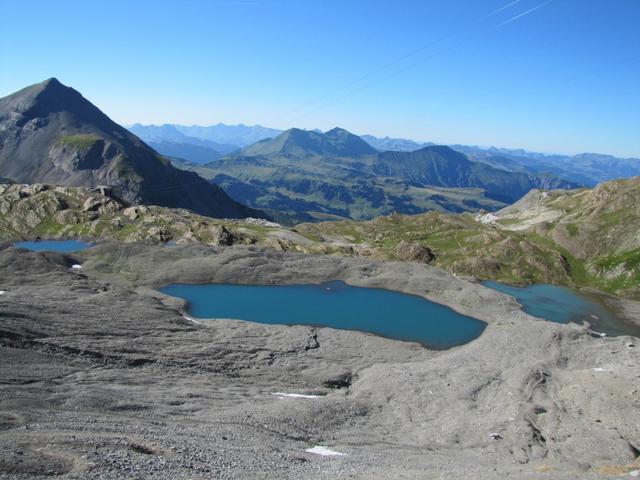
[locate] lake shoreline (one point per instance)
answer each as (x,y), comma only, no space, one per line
(382,312)
(628,310)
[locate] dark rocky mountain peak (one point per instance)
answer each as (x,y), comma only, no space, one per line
(49,133)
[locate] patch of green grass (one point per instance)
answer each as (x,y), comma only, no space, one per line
(48,227)
(125,231)
(80,142)
(630,260)
(163,160)
(617,217)
(572,228)
(310,236)
(510,221)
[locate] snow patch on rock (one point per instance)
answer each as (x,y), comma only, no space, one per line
(324,451)
(487,218)
(295,395)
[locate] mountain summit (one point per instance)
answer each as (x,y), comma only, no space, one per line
(50,133)
(300,143)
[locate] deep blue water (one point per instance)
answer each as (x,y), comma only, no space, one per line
(563,305)
(64,246)
(334,304)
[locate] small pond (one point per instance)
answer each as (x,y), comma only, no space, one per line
(334,304)
(564,305)
(64,246)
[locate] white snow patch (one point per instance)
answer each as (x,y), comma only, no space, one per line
(260,221)
(187,317)
(324,451)
(76,266)
(2,292)
(634,473)
(295,395)
(487,218)
(600,369)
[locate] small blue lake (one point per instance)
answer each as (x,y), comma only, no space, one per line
(64,246)
(563,305)
(336,305)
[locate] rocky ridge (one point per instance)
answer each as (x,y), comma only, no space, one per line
(548,237)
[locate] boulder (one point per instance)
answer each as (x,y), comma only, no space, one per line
(221,236)
(158,234)
(91,204)
(414,252)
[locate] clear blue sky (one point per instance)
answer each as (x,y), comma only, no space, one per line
(563,78)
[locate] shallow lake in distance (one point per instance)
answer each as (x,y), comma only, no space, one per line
(63,246)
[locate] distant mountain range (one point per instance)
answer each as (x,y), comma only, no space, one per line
(385,144)
(240,135)
(222,138)
(309,175)
(585,169)
(169,140)
(50,133)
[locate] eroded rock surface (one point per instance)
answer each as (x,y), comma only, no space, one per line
(101,376)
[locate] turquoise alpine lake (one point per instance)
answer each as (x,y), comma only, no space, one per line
(64,246)
(563,305)
(334,304)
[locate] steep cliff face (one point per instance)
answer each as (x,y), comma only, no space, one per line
(51,133)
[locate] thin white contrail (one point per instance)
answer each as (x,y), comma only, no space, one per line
(303,110)
(501,9)
(527,12)
(281,120)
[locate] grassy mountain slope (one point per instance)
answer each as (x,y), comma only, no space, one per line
(584,238)
(600,227)
(442,166)
(309,174)
(304,143)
